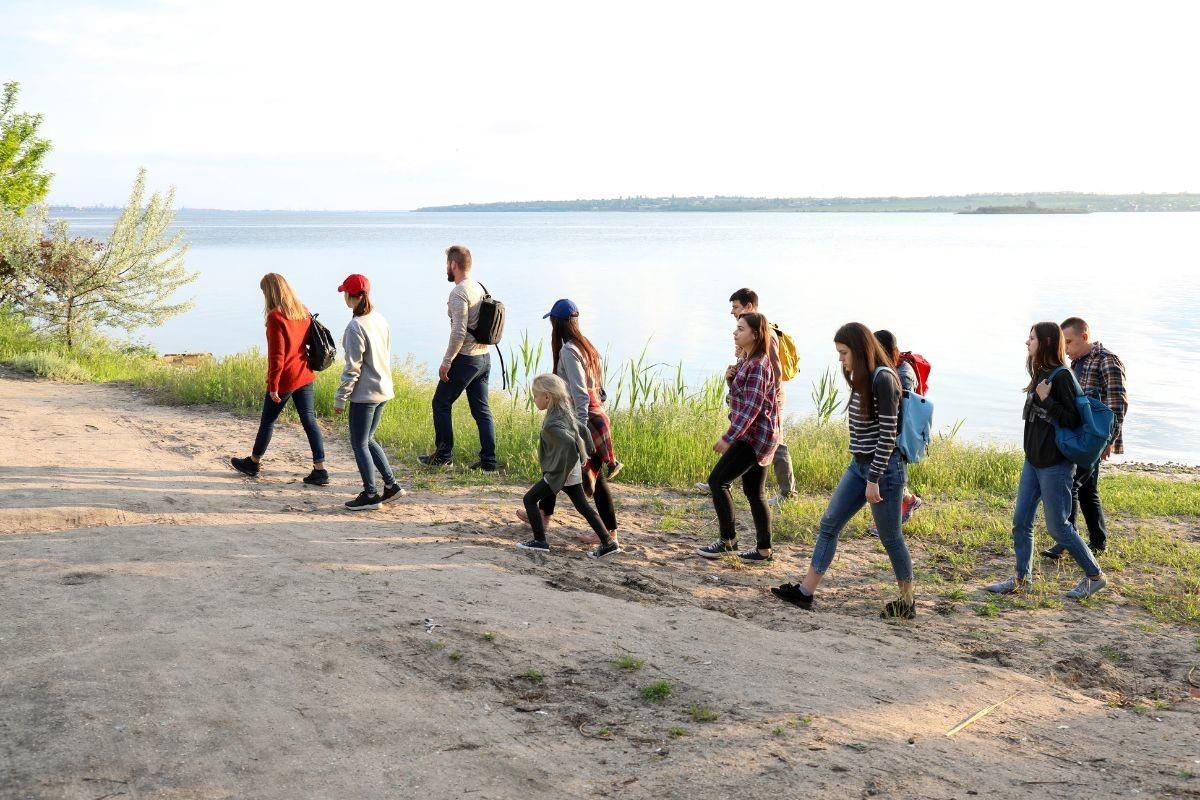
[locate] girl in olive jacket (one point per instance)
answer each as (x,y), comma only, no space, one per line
(562,449)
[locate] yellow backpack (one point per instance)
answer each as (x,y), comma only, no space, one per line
(789,359)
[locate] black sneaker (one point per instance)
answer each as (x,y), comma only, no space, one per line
(318,477)
(246,466)
(364,502)
(605,550)
(434,461)
(718,548)
(1054,553)
(615,469)
(792,593)
(479,465)
(899,609)
(392,491)
(754,557)
(541,545)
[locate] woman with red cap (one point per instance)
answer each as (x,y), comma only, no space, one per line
(288,376)
(366,386)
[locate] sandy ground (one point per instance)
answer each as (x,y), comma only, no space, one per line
(172,630)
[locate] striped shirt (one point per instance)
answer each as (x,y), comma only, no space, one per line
(874,440)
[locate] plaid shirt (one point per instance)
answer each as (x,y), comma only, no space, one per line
(1102,370)
(754,408)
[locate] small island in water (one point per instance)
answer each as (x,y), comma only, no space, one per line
(1029,208)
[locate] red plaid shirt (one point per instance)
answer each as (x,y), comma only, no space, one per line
(1101,369)
(754,408)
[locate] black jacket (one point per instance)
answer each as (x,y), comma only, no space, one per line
(1059,407)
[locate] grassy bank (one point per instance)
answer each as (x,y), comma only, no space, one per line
(665,436)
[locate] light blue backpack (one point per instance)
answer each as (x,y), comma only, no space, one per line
(914,432)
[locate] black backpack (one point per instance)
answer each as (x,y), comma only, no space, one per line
(322,349)
(490,326)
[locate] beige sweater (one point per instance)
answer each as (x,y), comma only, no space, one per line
(463,310)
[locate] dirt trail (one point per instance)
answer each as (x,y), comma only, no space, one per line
(171,630)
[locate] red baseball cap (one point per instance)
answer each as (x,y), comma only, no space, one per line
(355,284)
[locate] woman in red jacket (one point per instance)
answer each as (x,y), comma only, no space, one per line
(288,375)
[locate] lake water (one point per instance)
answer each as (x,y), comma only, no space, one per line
(962,290)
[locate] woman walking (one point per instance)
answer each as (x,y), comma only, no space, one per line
(577,362)
(288,376)
(1047,475)
(561,453)
(749,444)
(876,473)
(366,386)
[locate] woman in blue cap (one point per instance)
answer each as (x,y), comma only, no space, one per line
(577,362)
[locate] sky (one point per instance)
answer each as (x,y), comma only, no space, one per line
(395,105)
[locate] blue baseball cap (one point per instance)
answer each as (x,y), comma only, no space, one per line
(563,309)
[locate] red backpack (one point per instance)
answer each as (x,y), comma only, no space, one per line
(920,366)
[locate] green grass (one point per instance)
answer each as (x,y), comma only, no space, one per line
(656,692)
(700,713)
(628,663)
(533,675)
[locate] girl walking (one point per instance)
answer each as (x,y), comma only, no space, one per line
(561,453)
(876,473)
(288,377)
(366,386)
(1047,475)
(577,362)
(749,444)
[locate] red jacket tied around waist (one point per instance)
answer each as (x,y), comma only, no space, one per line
(287,359)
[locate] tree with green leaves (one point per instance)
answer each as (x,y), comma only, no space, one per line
(22,181)
(126,282)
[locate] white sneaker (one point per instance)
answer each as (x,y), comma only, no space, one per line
(1087,587)
(703,486)
(777,500)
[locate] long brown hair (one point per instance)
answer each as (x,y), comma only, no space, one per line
(364,305)
(278,296)
(567,330)
(866,354)
(1051,351)
(758,324)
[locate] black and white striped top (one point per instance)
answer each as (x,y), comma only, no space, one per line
(875,439)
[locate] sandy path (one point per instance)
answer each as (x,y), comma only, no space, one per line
(170,630)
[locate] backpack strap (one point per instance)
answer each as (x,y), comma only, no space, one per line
(486,293)
(1074,380)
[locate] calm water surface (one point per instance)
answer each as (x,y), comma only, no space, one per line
(962,290)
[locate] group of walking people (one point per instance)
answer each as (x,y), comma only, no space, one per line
(575,449)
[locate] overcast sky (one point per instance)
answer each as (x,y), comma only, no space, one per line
(391,105)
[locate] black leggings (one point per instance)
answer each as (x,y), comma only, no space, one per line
(542,491)
(600,494)
(740,461)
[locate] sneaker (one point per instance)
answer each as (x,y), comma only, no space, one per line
(777,500)
(754,557)
(615,469)
(1053,553)
(792,593)
(873,530)
(910,508)
(521,515)
(479,465)
(393,491)
(434,461)
(318,477)
(1087,587)
(364,502)
(246,466)
(603,550)
(899,609)
(541,545)
(703,486)
(718,548)
(1006,586)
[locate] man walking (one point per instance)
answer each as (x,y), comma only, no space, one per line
(1095,368)
(465,367)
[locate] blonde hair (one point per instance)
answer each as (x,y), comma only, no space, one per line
(556,388)
(278,296)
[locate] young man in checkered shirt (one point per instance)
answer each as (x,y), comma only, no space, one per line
(1096,368)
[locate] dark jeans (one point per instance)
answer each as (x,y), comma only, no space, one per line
(740,461)
(1085,495)
(600,494)
(469,374)
(541,491)
(302,399)
(368,454)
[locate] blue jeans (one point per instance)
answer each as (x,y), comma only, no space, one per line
(302,399)
(364,419)
(469,374)
(849,497)
(1052,487)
